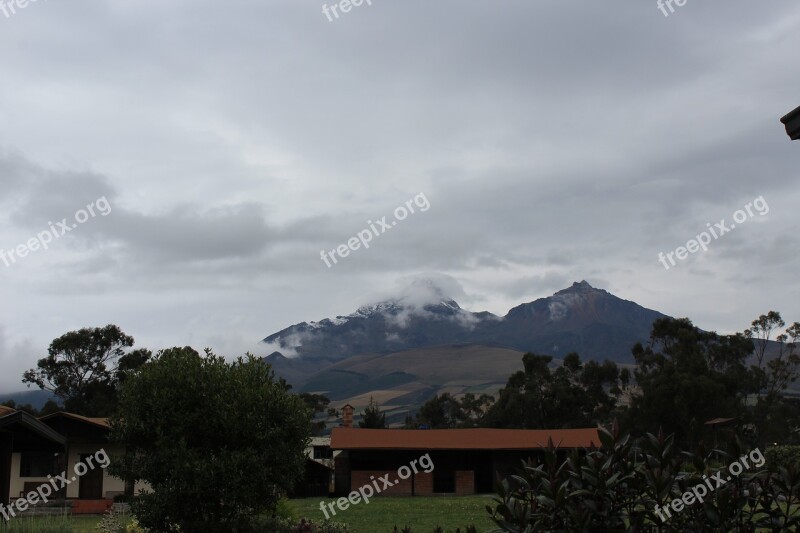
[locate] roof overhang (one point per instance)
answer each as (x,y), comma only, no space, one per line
(792,123)
(462,439)
(101,423)
(29,422)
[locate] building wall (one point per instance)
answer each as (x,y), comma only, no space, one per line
(111,485)
(423,484)
(465,482)
(17,484)
(419,484)
(359,478)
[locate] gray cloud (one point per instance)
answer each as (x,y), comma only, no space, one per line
(235,141)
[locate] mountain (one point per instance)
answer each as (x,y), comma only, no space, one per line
(404,350)
(581,318)
(36,398)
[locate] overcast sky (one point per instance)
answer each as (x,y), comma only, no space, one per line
(555,141)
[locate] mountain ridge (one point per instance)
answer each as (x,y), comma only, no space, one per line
(581,318)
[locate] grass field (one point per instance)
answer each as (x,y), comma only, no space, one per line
(78,524)
(380,515)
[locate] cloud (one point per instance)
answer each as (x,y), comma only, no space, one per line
(555,143)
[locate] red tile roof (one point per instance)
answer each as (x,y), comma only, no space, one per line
(460,439)
(6,410)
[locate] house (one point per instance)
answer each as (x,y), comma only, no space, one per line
(32,451)
(464,461)
(317,479)
(319,449)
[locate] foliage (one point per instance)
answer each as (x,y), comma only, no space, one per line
(444,412)
(85,367)
(372,416)
(284,525)
(217,442)
(316,403)
(783,457)
(619,486)
(774,417)
(686,377)
(575,394)
(26,408)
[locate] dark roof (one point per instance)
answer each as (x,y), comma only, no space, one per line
(460,439)
(792,122)
(100,422)
(29,422)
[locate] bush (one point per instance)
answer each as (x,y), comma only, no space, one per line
(285,510)
(284,525)
(617,488)
(782,456)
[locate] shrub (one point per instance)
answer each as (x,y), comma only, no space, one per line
(782,456)
(284,509)
(284,525)
(617,488)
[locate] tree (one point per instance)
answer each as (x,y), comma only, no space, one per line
(372,416)
(774,416)
(440,412)
(49,408)
(27,408)
(84,368)
(444,411)
(687,377)
(573,395)
(316,403)
(217,443)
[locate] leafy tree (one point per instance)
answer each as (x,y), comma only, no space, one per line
(444,411)
(316,403)
(686,377)
(50,407)
(440,412)
(372,416)
(218,443)
(84,368)
(775,417)
(573,395)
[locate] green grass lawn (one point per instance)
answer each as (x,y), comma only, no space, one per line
(55,524)
(381,514)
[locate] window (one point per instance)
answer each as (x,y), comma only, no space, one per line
(37,464)
(322,452)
